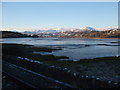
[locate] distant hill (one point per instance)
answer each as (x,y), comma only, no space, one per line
(115,33)
(11,34)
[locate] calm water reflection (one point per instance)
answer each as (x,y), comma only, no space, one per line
(74,48)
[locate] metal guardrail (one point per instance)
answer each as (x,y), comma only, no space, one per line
(32,79)
(23,83)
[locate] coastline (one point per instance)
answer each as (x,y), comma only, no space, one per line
(60,37)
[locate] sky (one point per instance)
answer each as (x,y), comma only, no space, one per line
(59,14)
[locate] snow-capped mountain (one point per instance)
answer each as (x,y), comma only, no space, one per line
(106,28)
(39,31)
(51,31)
(87,28)
(84,29)
(62,30)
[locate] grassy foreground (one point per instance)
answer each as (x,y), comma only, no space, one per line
(27,51)
(105,67)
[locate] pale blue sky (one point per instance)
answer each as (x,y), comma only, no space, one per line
(62,14)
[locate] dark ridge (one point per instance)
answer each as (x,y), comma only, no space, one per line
(11,34)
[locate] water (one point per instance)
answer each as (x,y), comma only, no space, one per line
(74,48)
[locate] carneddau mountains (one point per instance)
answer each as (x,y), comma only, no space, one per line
(83,32)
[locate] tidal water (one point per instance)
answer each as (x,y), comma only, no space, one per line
(74,48)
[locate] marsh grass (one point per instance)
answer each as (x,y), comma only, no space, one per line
(12,51)
(26,51)
(15,49)
(43,49)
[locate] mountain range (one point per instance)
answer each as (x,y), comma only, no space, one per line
(83,33)
(56,30)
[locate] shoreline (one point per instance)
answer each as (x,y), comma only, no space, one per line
(86,38)
(60,37)
(104,68)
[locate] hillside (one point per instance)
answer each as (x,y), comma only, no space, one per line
(10,34)
(93,34)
